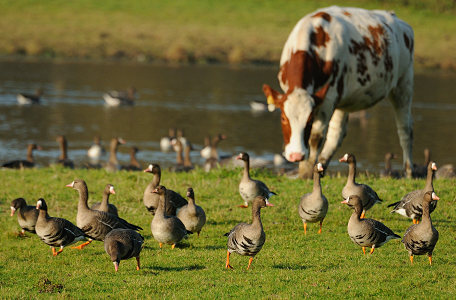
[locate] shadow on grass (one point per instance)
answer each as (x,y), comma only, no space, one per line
(186,268)
(212,247)
(223,222)
(290,267)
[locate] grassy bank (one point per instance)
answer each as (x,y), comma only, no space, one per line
(290,265)
(196,31)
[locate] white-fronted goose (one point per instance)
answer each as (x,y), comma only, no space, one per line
(192,215)
(314,206)
(410,205)
(116,98)
(27,99)
(368,196)
(206,151)
(166,229)
(26,215)
(134,164)
(150,199)
(165,142)
(113,164)
(104,205)
(366,232)
(20,164)
(250,188)
(56,232)
(248,239)
(96,151)
(445,171)
(96,224)
(388,171)
(63,158)
(421,238)
(121,244)
(420,171)
(214,160)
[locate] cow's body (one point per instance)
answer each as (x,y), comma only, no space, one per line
(339,60)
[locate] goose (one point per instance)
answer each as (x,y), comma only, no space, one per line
(150,199)
(116,98)
(104,205)
(214,159)
(96,151)
(410,205)
(134,164)
(420,171)
(366,232)
(113,164)
(26,215)
(179,149)
(166,229)
(63,158)
(314,206)
(421,238)
(388,171)
(248,239)
(206,151)
(121,244)
(96,224)
(250,188)
(21,164)
(368,196)
(181,137)
(165,142)
(445,171)
(192,215)
(27,99)
(56,232)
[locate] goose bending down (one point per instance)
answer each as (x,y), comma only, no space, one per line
(26,215)
(314,206)
(134,164)
(113,164)
(165,142)
(367,195)
(96,224)
(192,215)
(116,98)
(20,164)
(56,232)
(421,238)
(104,205)
(63,158)
(250,188)
(166,229)
(96,151)
(121,244)
(248,239)
(366,232)
(388,171)
(27,99)
(150,199)
(410,205)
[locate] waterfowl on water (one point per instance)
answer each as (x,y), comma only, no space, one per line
(388,171)
(165,142)
(27,99)
(420,171)
(113,164)
(104,205)
(121,244)
(26,215)
(134,164)
(63,158)
(117,98)
(27,163)
(96,151)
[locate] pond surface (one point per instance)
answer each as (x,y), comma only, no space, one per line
(200,99)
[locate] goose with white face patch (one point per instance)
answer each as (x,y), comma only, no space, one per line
(104,205)
(96,151)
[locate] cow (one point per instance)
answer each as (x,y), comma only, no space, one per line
(339,60)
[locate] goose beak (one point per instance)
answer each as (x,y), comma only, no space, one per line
(345,201)
(112,191)
(116,265)
(155,191)
(148,169)
(12,211)
(38,205)
(435,197)
(70,185)
(434,167)
(239,156)
(268,203)
(343,158)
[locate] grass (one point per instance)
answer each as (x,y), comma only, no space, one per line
(203,31)
(290,264)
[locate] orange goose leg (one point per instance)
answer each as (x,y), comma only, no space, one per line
(173,245)
(321,223)
(364,250)
(430,260)
(137,263)
(160,244)
(411,259)
(372,249)
(363,214)
(305,228)
(80,247)
(244,206)
(228,260)
(250,262)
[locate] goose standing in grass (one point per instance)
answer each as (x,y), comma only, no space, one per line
(113,164)
(248,239)
(314,206)
(96,224)
(27,99)
(192,215)
(56,232)
(150,199)
(134,164)
(410,205)
(21,164)
(117,98)
(367,195)
(388,171)
(250,188)
(366,232)
(63,158)
(26,215)
(421,238)
(104,205)
(165,142)
(166,229)
(96,151)
(122,244)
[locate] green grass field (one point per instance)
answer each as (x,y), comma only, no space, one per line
(202,31)
(290,264)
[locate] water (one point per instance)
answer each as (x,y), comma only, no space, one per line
(200,99)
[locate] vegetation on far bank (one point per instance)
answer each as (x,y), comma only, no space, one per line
(197,31)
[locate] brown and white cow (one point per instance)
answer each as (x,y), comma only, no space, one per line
(338,60)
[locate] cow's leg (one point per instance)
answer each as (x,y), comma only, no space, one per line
(337,130)
(401,98)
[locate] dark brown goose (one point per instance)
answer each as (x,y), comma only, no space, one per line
(314,206)
(121,244)
(366,232)
(26,99)
(388,171)
(134,164)
(96,224)
(56,232)
(367,195)
(26,215)
(113,164)
(250,188)
(248,239)
(420,171)
(20,164)
(410,205)
(63,158)
(192,215)
(104,205)
(150,199)
(421,238)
